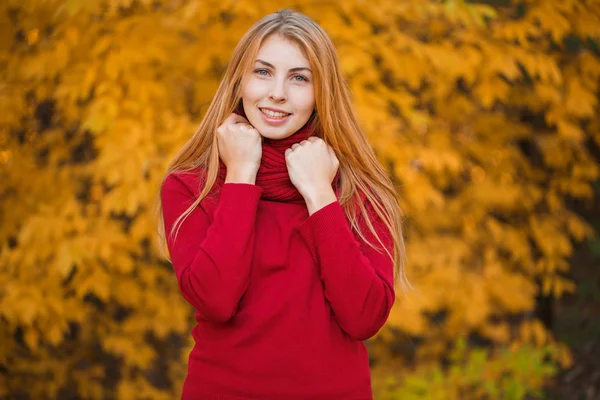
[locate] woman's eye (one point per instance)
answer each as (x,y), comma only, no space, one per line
(265,72)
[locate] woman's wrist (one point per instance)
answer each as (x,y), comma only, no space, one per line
(241,175)
(320,198)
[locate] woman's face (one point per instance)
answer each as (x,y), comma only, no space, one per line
(278,93)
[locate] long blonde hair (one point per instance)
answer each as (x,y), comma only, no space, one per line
(334,120)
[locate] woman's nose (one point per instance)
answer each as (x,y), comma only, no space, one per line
(278,92)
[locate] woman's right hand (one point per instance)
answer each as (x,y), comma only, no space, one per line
(240,149)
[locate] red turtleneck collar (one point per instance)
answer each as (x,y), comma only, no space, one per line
(272,174)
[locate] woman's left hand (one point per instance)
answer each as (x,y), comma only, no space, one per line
(312,165)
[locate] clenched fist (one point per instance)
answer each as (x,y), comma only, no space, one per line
(240,149)
(312,165)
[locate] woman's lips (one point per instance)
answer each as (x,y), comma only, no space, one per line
(274,120)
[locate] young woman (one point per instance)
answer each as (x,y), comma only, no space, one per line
(282,227)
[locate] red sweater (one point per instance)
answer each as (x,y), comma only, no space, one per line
(283,300)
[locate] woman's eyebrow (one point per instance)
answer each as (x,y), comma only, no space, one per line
(291,69)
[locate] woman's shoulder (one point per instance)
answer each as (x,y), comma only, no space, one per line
(358,198)
(192,180)
(370,209)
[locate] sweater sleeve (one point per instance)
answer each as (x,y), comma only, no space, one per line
(358,280)
(211,259)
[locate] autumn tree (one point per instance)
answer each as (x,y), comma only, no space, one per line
(485,116)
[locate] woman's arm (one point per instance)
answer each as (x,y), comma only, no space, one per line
(211,259)
(357,279)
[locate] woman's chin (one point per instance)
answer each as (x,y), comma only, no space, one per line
(270,132)
(275,134)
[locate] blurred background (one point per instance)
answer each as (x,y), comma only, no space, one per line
(485,113)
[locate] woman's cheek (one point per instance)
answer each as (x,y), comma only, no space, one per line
(308,99)
(253,89)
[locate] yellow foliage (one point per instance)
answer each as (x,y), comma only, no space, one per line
(482,115)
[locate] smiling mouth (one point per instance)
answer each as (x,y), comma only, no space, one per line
(274,114)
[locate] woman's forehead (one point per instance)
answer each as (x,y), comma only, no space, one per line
(279,51)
